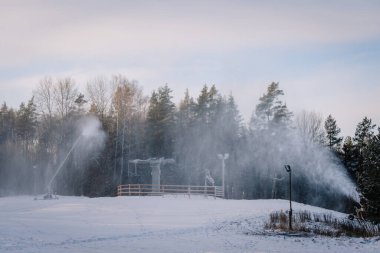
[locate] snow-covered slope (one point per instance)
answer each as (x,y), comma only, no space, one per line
(155,224)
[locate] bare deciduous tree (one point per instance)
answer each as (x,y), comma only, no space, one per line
(128,99)
(129,105)
(98,90)
(310,126)
(64,94)
(44,96)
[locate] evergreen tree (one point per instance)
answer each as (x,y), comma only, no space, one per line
(233,117)
(270,125)
(184,136)
(230,134)
(348,157)
(186,112)
(369,177)
(207,105)
(332,132)
(271,112)
(26,123)
(363,134)
(161,123)
(205,128)
(79,104)
(7,123)
(8,146)
(206,133)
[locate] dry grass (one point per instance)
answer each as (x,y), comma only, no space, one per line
(322,224)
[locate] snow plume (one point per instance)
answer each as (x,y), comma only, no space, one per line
(92,140)
(322,168)
(59,157)
(87,141)
(317,175)
(255,166)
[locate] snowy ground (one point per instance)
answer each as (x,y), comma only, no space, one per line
(155,224)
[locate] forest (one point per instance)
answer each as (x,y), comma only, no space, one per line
(329,170)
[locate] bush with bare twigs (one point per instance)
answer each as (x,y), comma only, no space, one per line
(322,224)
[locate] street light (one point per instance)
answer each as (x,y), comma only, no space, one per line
(289,170)
(223,158)
(35,179)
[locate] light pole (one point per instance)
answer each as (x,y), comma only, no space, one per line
(35,179)
(223,158)
(289,170)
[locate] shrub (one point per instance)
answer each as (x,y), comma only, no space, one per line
(322,224)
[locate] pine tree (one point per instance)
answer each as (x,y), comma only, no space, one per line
(167,111)
(7,123)
(186,112)
(233,115)
(79,104)
(208,104)
(269,126)
(184,137)
(332,132)
(231,130)
(154,132)
(364,132)
(349,154)
(7,144)
(26,122)
(271,112)
(161,123)
(369,177)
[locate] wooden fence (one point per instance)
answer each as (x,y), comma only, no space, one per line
(154,190)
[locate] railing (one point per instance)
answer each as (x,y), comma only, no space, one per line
(154,190)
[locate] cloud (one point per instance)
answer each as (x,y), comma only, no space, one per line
(40,30)
(241,46)
(345,90)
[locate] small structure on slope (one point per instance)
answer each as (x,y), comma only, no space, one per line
(155,165)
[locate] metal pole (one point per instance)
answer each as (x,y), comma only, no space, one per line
(223,167)
(223,158)
(290,200)
(289,170)
(122,155)
(116,140)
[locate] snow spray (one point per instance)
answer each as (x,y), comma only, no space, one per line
(89,141)
(61,165)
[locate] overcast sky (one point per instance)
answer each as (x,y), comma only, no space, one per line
(324,54)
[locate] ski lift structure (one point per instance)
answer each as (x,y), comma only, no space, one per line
(155,188)
(155,166)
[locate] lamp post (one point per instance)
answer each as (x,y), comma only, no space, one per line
(35,179)
(289,170)
(223,158)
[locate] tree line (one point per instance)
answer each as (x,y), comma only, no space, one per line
(35,137)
